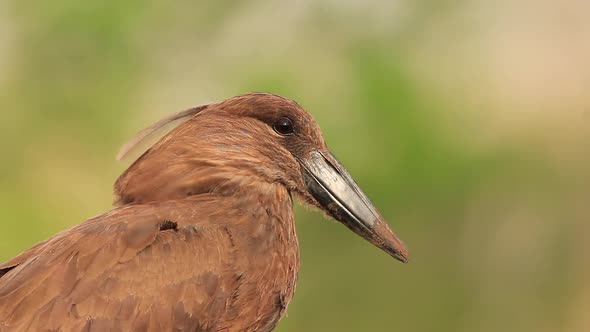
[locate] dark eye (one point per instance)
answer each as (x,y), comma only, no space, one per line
(284,126)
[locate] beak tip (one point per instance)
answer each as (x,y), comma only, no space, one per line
(403,258)
(389,242)
(401,254)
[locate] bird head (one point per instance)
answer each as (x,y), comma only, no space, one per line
(259,135)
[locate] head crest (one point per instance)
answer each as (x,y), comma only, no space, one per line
(150,131)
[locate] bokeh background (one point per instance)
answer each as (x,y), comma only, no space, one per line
(467,123)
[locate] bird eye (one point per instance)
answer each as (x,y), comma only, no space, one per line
(284,126)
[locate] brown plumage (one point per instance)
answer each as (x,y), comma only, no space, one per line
(203,238)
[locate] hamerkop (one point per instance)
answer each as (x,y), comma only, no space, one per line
(203,235)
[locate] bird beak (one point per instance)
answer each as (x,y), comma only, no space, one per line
(339,195)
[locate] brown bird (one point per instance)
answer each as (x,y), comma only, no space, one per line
(203,238)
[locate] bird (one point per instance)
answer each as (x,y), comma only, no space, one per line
(202,233)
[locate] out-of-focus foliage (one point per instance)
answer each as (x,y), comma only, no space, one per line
(468,124)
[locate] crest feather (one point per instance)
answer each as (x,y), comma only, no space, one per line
(150,131)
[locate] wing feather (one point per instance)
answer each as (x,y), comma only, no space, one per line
(118,270)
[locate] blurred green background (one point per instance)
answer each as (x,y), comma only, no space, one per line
(467,123)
